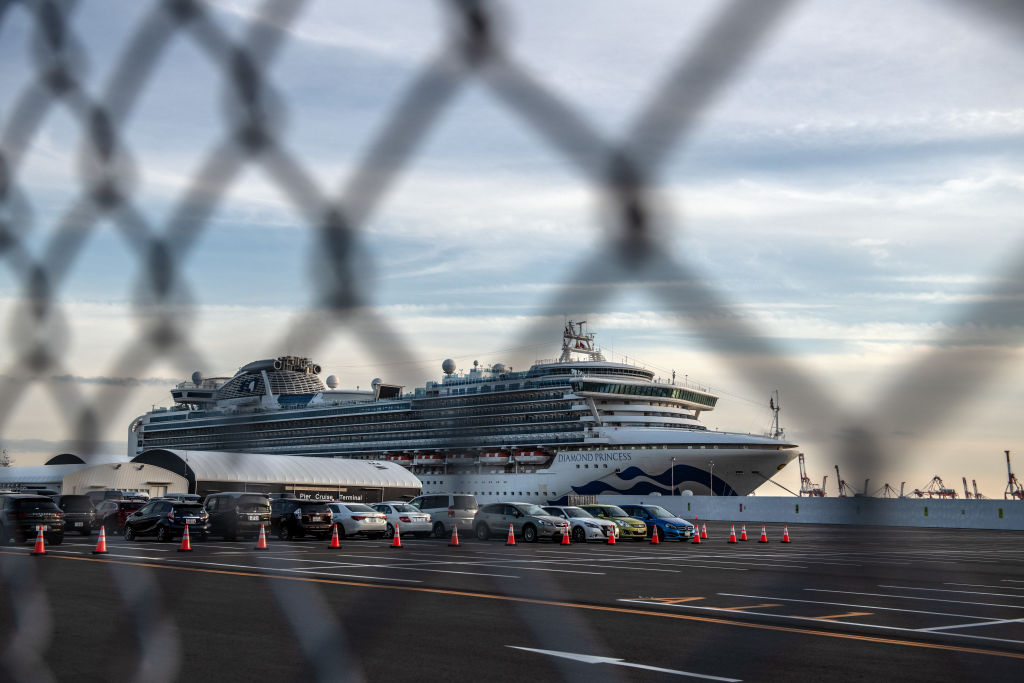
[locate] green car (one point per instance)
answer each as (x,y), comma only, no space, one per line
(628,526)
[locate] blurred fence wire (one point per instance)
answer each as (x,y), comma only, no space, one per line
(625,169)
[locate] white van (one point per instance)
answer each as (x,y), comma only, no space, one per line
(446,509)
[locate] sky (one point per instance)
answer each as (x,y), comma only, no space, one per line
(839,221)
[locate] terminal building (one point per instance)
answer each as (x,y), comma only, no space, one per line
(161,471)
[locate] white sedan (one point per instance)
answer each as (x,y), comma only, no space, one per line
(356,518)
(583,525)
(408,519)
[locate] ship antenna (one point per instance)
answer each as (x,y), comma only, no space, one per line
(777,432)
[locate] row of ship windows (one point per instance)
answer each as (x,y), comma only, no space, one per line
(421,416)
(651,390)
(504,424)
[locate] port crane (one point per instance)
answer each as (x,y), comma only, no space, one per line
(977,496)
(967,492)
(889,492)
(1013,488)
(845,490)
(935,489)
(807,487)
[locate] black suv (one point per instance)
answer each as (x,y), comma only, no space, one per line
(79,512)
(291,517)
(22,515)
(234,513)
(167,519)
(112,514)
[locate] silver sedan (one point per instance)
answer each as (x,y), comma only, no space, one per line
(408,519)
(355,518)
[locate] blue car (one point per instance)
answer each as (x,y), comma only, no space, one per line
(670,527)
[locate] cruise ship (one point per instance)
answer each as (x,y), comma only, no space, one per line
(578,425)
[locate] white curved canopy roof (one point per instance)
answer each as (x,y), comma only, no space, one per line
(259,468)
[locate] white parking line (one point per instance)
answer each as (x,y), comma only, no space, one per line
(946,590)
(914,597)
(820,621)
(983,585)
(986,623)
(292,571)
(846,604)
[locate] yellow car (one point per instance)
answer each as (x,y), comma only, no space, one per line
(628,526)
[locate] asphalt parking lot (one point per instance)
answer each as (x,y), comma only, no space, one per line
(852,602)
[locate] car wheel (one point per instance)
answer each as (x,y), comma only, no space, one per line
(438,530)
(482,532)
(390,533)
(162,534)
(129,533)
(578,535)
(529,533)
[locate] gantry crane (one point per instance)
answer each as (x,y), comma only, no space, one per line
(977,496)
(935,489)
(845,490)
(967,492)
(1013,488)
(807,487)
(890,492)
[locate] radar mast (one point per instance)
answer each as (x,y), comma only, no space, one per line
(576,340)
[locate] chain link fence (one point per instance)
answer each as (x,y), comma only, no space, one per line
(626,170)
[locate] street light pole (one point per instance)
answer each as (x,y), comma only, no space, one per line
(711,477)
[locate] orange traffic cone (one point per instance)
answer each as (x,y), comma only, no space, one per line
(743,532)
(40,548)
(785,534)
(764,535)
(565,538)
(454,543)
(654,536)
(704,531)
(696,535)
(101,545)
(732,534)
(511,536)
(611,537)
(186,544)
(335,543)
(261,543)
(396,542)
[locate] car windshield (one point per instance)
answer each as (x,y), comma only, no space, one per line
(529,509)
(404,507)
(576,512)
(658,511)
(36,505)
(252,504)
(313,508)
(465,503)
(613,511)
(358,507)
(76,504)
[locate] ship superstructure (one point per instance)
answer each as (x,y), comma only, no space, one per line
(579,424)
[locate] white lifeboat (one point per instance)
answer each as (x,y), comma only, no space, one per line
(461,459)
(428,459)
(494,458)
(531,457)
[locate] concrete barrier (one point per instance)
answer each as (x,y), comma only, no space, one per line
(917,512)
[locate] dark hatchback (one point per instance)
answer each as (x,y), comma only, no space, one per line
(22,515)
(79,512)
(234,513)
(112,514)
(167,519)
(295,517)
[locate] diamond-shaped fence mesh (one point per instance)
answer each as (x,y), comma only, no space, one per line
(626,170)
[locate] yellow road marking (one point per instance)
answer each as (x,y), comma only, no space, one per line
(551,603)
(675,601)
(767,604)
(848,614)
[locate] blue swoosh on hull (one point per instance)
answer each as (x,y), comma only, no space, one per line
(683,474)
